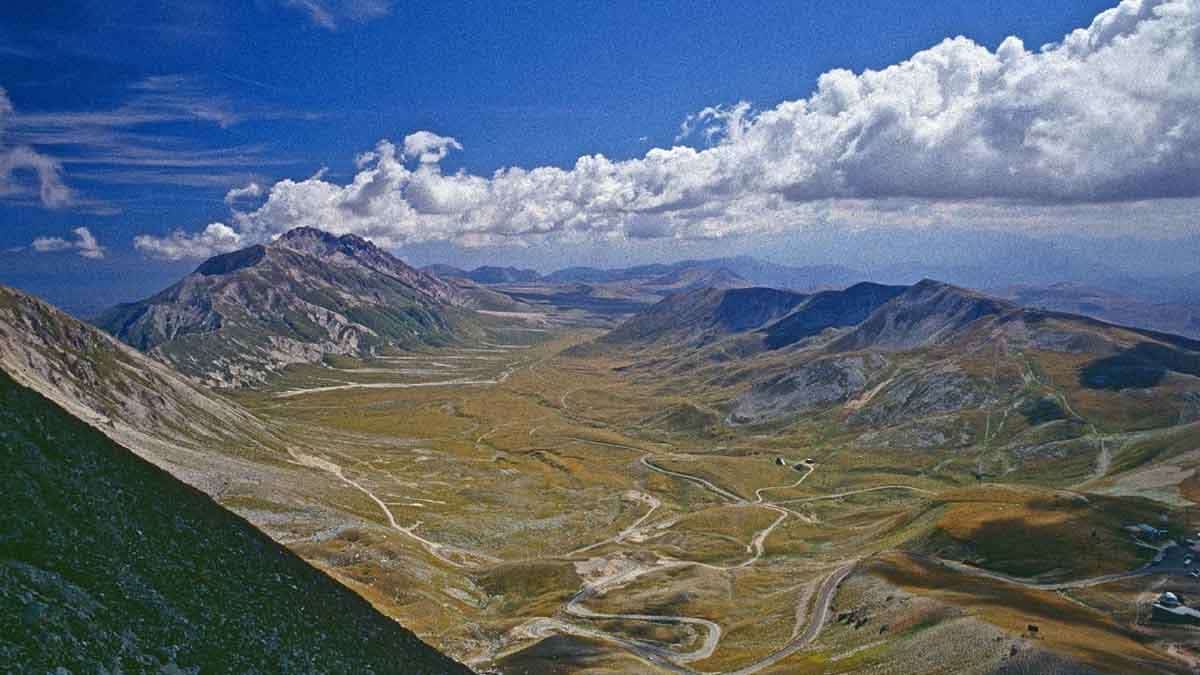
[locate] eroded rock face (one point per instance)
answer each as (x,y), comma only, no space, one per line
(816,384)
(243,315)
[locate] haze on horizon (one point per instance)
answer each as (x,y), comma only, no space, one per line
(1047,142)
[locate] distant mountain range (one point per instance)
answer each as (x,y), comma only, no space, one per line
(243,315)
(1169,305)
(1179,317)
(742,270)
(486,274)
(926,349)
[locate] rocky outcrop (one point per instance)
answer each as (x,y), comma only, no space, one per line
(936,390)
(816,384)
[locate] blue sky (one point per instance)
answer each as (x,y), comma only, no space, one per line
(148,116)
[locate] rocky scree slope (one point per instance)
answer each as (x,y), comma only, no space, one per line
(244,315)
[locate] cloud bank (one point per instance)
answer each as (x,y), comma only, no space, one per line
(84,243)
(1109,114)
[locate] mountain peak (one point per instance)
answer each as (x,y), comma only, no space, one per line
(929,312)
(306,294)
(928,289)
(312,241)
(830,309)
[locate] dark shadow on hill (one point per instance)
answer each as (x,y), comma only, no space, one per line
(1042,410)
(554,655)
(1054,538)
(1142,366)
(1037,607)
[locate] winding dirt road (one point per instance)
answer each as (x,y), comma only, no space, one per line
(443,552)
(651,500)
(851,493)
(758,498)
(820,617)
(715,489)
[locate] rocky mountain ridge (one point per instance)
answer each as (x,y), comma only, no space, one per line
(244,315)
(911,361)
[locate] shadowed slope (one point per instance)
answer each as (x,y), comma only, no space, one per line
(830,309)
(114,563)
(705,313)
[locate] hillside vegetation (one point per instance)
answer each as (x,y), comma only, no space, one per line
(115,566)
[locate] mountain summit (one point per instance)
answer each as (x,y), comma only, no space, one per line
(245,314)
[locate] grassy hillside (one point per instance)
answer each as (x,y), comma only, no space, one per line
(107,561)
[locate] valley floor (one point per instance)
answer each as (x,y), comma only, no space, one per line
(528,512)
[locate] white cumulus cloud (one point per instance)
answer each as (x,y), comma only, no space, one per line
(428,148)
(84,243)
(214,239)
(1109,114)
(250,191)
